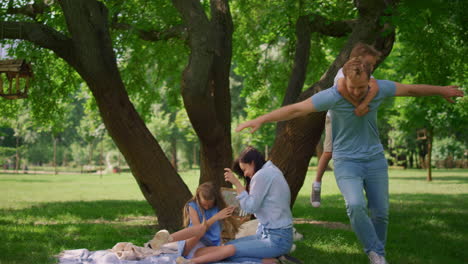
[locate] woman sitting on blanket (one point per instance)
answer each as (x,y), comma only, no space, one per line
(203,215)
(269,199)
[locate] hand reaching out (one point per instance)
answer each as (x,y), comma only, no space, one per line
(253,124)
(230,177)
(451,91)
(225,213)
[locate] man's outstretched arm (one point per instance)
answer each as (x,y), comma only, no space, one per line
(427,90)
(281,114)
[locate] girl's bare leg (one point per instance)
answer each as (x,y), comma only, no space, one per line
(191,243)
(204,251)
(218,253)
(189,232)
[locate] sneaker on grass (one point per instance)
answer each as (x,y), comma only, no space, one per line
(315,196)
(287,259)
(375,258)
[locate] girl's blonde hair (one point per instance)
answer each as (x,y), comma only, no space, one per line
(209,192)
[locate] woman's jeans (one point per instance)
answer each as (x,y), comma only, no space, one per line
(369,221)
(267,243)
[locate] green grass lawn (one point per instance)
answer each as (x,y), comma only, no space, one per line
(41,215)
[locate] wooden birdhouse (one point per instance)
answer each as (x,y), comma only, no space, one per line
(14,78)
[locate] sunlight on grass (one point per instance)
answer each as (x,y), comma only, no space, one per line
(41,215)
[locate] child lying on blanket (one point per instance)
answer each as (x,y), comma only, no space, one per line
(204,216)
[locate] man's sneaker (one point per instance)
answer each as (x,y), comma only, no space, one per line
(375,258)
(315,196)
(287,259)
(383,260)
(162,237)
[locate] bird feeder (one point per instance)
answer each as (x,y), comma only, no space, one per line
(14,79)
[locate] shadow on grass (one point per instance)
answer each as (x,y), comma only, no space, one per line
(36,234)
(23,180)
(79,210)
(424,228)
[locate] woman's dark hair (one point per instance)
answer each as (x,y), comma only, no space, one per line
(248,155)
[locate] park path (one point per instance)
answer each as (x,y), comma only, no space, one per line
(37,172)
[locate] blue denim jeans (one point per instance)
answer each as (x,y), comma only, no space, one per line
(267,243)
(369,219)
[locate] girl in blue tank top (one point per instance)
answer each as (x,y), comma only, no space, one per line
(204,216)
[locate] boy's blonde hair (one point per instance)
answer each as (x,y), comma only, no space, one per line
(362,50)
(355,68)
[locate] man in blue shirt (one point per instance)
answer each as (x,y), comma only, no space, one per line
(359,160)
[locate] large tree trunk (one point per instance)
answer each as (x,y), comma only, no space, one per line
(91,54)
(173,140)
(296,139)
(429,154)
(17,155)
(205,84)
(54,139)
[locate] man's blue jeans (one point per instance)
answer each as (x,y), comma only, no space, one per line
(369,219)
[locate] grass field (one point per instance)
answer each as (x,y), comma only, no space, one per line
(41,215)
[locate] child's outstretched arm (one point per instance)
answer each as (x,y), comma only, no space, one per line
(342,90)
(363,108)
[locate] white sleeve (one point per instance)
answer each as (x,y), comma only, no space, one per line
(250,202)
(338,76)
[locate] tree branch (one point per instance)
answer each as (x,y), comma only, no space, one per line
(372,8)
(39,34)
(330,28)
(301,60)
(177,31)
(30,10)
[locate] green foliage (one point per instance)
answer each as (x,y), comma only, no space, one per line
(263,51)
(151,71)
(7,152)
(7,137)
(431,42)
(449,147)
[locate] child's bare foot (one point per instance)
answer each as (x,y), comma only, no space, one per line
(182,260)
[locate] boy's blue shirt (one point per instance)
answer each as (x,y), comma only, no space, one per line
(353,137)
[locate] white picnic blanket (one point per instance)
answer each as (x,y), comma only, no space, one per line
(84,256)
(166,255)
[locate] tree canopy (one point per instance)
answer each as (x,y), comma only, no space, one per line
(161,76)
